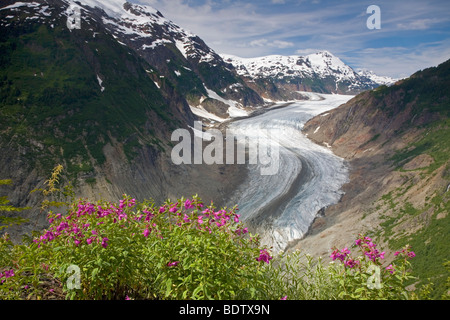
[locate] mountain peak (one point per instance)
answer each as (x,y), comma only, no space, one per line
(321,71)
(117,8)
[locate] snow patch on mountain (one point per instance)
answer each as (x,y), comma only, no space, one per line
(382,80)
(234,109)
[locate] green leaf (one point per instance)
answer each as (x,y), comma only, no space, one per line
(196,291)
(359,290)
(168,287)
(94,272)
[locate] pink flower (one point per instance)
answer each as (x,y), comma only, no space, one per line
(105,242)
(89,240)
(284,298)
(162,209)
(264,256)
(173,209)
(351,263)
(390,268)
(340,255)
(240,231)
(146,232)
(7,274)
(188,204)
(149,215)
(173,264)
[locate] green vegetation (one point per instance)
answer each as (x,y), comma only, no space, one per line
(427,230)
(426,90)
(51,102)
(182,250)
(426,227)
(5,208)
(434,142)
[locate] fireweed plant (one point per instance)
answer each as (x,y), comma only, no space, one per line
(182,250)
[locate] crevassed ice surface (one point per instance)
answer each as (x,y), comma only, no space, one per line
(309,177)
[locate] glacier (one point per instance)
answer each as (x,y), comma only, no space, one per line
(283,206)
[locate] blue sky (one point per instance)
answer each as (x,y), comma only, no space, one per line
(414,34)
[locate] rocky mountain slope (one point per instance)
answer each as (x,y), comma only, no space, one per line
(279,76)
(396,140)
(103,109)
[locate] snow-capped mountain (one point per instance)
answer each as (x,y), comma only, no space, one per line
(321,72)
(176,56)
(214,86)
(278,66)
(381,80)
(180,56)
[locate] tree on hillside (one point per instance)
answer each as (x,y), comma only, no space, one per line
(6,207)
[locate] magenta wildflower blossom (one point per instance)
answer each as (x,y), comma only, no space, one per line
(146,232)
(149,215)
(340,255)
(390,268)
(264,256)
(7,274)
(188,204)
(105,242)
(351,263)
(173,264)
(240,231)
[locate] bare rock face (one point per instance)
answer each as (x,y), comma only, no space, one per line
(421,161)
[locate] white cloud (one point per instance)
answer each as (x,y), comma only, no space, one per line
(419,24)
(275,43)
(400,62)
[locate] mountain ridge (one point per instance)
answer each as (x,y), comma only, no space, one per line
(319,72)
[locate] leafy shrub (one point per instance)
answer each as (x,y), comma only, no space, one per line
(180,250)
